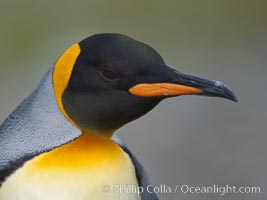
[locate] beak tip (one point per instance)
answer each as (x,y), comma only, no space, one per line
(220,89)
(228,93)
(233,98)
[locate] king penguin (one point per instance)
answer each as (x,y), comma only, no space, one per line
(58,144)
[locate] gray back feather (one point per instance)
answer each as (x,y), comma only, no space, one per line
(37,125)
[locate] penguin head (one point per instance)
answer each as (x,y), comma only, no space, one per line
(108,80)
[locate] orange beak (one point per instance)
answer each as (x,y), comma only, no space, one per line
(162,89)
(183,84)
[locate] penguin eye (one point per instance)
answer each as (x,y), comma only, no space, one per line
(109,75)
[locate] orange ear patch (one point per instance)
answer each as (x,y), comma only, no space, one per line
(62,73)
